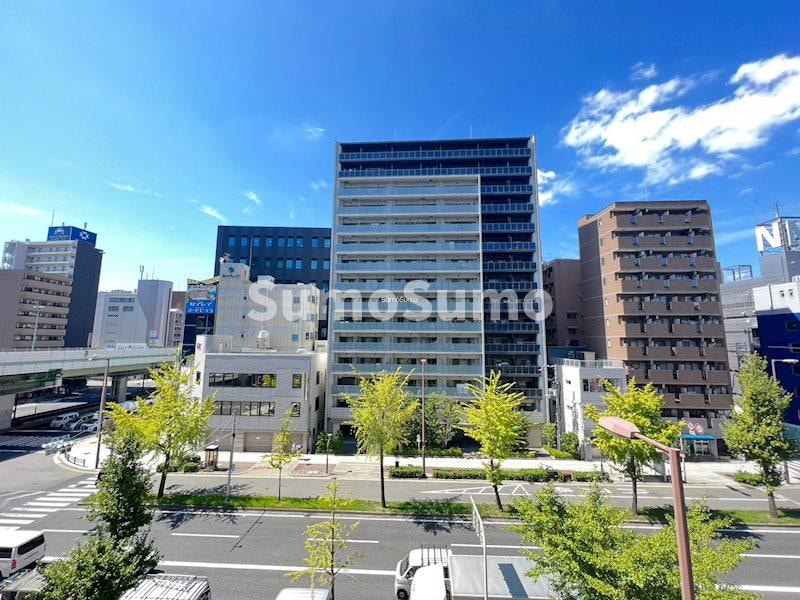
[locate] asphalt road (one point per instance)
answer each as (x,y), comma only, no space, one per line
(650,494)
(247,554)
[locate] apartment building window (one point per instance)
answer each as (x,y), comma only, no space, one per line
(257,409)
(290,242)
(280,263)
(268,242)
(298,264)
(299,242)
(294,409)
(244,241)
(295,337)
(317,377)
(231,241)
(316,404)
(315,242)
(281,242)
(289,263)
(297,381)
(795,348)
(326,264)
(572,315)
(267,263)
(256,242)
(314,263)
(327,243)
(127,309)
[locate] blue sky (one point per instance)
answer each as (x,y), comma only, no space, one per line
(156,121)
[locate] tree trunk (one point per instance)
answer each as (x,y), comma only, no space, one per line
(634,489)
(495,488)
(333,584)
(280,472)
(383,492)
(773,510)
(163,481)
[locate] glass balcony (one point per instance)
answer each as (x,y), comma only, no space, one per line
(524,227)
(506,189)
(525,347)
(517,286)
(523,207)
(421,326)
(416,209)
(502,326)
(460,189)
(433,171)
(353,229)
(509,246)
(428,154)
(399,286)
(394,348)
(509,266)
(399,248)
(354,390)
(347,369)
(414,267)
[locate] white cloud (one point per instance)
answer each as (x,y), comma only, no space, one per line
(318,184)
(746,191)
(301,198)
(729,237)
(126,187)
(19,209)
(552,187)
(248,210)
(643,71)
(648,128)
(312,132)
(252,196)
(292,214)
(213,213)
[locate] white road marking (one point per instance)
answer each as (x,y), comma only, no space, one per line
(37,509)
(794,556)
(66,530)
(208,535)
(45,504)
(62,498)
(8,528)
(253,567)
(348,541)
(16,521)
(769,588)
(73,492)
(28,515)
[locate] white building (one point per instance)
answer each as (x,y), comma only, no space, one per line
(264,314)
(118,319)
(177,319)
(155,296)
(261,388)
(579,383)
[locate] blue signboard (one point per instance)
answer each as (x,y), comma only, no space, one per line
(67,232)
(201,299)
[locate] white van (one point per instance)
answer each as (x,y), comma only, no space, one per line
(61,421)
(303,594)
(163,586)
(19,549)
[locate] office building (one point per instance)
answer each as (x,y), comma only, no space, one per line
(562,281)
(289,254)
(71,252)
(578,383)
(201,301)
(33,303)
(119,320)
(460,219)
(155,297)
(261,387)
(777,311)
(651,298)
(263,314)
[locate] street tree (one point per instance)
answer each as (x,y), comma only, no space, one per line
(99,568)
(172,422)
(282,451)
(442,414)
(641,406)
(121,501)
(381,416)
(327,545)
(494,420)
(585,552)
(756,428)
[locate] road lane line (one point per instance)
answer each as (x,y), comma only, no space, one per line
(254,567)
(347,541)
(38,509)
(27,515)
(208,535)
(16,521)
(794,556)
(769,588)
(66,530)
(44,504)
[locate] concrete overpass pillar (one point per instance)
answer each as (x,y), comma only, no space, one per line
(6,410)
(119,388)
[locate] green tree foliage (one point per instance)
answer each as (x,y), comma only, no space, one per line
(282,453)
(570,443)
(549,435)
(493,419)
(641,406)
(756,426)
(442,413)
(121,500)
(381,416)
(586,553)
(337,443)
(100,568)
(326,546)
(174,423)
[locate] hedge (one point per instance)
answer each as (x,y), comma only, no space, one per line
(748,478)
(406,473)
(448,452)
(556,453)
(589,476)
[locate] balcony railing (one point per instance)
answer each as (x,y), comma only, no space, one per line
(433,171)
(399,286)
(517,286)
(517,207)
(511,327)
(513,348)
(355,229)
(355,390)
(393,348)
(414,267)
(421,326)
(456,189)
(396,247)
(428,154)
(509,246)
(523,227)
(368,369)
(415,209)
(509,266)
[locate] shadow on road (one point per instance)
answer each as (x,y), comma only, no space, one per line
(436,516)
(204,505)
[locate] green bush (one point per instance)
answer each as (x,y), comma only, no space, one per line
(531,475)
(459,474)
(406,473)
(589,476)
(556,453)
(549,432)
(748,478)
(570,443)
(450,452)
(191,458)
(191,467)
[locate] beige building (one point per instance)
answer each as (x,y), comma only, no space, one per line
(561,278)
(33,301)
(650,288)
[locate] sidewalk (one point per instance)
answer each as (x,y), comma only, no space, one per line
(82,456)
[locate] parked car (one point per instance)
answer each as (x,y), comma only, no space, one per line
(76,425)
(161,586)
(63,421)
(90,425)
(19,549)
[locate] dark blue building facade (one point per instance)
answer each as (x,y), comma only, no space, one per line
(779,335)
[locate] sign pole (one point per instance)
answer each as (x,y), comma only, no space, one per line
(477,523)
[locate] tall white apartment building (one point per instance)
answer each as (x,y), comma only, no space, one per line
(458,218)
(263,314)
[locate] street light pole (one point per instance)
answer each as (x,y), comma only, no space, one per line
(38,308)
(424,362)
(102,408)
(230,458)
(625,429)
(788,361)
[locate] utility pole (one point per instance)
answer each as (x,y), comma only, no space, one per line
(230,458)
(102,408)
(38,308)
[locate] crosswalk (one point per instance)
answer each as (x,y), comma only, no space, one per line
(42,506)
(28,442)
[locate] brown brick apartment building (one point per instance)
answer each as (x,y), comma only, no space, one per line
(23,294)
(650,287)
(561,278)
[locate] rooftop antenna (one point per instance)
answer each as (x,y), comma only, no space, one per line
(141,272)
(53,217)
(470,131)
(646,194)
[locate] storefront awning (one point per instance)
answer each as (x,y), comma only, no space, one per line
(699,436)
